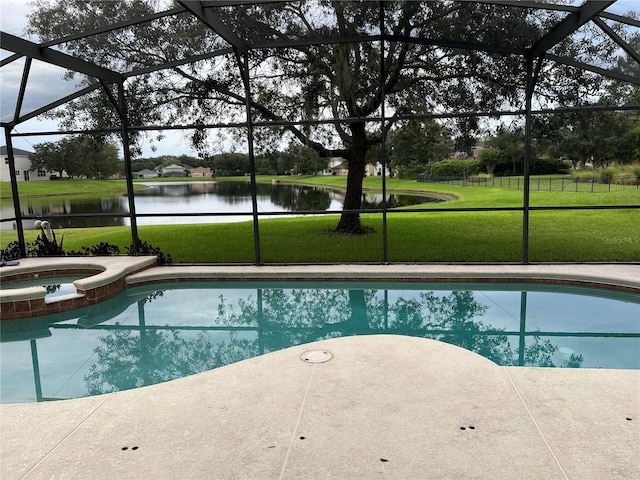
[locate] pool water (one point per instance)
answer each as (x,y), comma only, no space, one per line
(56,286)
(149,335)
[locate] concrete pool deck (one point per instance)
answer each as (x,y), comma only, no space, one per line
(383,406)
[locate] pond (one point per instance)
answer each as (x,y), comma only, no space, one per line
(233,199)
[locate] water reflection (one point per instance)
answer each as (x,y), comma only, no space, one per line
(191,198)
(146,337)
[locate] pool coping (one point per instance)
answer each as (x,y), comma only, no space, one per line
(621,277)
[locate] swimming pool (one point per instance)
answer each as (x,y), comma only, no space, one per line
(151,334)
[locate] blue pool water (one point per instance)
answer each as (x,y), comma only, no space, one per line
(153,334)
(57,286)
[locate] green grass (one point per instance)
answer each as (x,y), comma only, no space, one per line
(67,187)
(606,236)
(555,236)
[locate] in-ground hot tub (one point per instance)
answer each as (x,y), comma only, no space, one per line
(98,279)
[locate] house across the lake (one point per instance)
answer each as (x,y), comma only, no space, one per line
(23,167)
(201,172)
(146,173)
(174,170)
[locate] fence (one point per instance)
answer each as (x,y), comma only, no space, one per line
(548,184)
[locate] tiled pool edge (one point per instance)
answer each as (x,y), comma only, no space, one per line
(118,273)
(623,278)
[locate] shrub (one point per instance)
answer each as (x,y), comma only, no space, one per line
(145,248)
(455,168)
(12,252)
(102,248)
(546,166)
(43,247)
(606,176)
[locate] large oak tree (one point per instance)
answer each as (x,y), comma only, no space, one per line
(342,82)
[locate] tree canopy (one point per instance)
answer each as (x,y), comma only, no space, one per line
(315,60)
(77,156)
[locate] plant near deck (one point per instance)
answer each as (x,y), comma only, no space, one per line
(11,252)
(99,249)
(145,248)
(46,243)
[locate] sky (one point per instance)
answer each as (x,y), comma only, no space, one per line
(46,84)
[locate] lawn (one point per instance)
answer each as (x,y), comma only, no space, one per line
(419,236)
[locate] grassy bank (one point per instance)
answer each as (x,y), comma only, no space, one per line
(67,187)
(584,236)
(555,236)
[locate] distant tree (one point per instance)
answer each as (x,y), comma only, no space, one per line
(52,156)
(416,144)
(635,139)
(145,163)
(490,158)
(81,155)
(306,160)
(229,164)
(95,158)
(509,143)
(466,139)
(597,138)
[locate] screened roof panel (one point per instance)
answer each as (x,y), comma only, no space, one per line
(198,39)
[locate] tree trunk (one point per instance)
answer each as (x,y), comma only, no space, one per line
(350,222)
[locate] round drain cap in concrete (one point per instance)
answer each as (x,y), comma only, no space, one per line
(316,356)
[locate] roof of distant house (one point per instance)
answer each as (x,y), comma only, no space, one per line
(343,165)
(16,151)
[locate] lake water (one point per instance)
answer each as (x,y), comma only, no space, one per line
(232,199)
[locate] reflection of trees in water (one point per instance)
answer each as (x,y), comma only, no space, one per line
(232,189)
(374,201)
(279,318)
(128,360)
(300,198)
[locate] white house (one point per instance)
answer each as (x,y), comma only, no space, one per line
(146,173)
(337,166)
(371,170)
(23,167)
(173,170)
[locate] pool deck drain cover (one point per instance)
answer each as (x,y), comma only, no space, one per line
(316,356)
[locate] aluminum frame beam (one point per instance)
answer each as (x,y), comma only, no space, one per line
(52,105)
(115,26)
(215,24)
(591,68)
(616,38)
(53,57)
(567,26)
